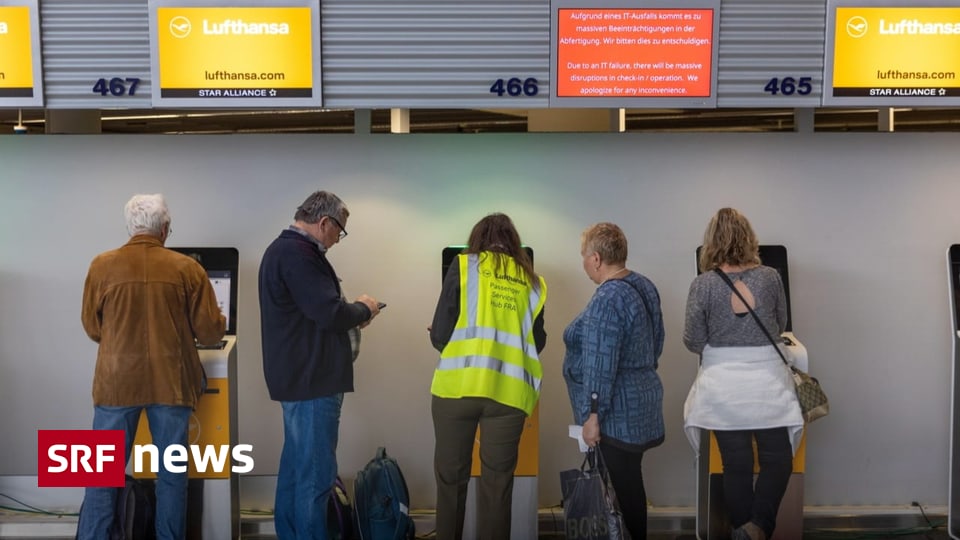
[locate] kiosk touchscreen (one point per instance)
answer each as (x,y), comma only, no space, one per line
(953,497)
(524,509)
(712,522)
(214,498)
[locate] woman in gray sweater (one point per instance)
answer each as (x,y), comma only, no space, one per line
(742,391)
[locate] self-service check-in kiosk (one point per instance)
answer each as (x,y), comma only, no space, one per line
(524,508)
(953,497)
(213,502)
(712,522)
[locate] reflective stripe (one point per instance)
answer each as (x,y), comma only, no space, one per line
(503,338)
(473,288)
(533,302)
(485,362)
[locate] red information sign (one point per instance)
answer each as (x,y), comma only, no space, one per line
(626,52)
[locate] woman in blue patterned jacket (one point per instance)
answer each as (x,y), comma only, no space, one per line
(610,366)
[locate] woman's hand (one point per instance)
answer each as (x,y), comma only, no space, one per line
(591,430)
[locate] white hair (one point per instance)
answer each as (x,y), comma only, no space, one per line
(146,214)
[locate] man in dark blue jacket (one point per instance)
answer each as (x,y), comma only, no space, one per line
(307,359)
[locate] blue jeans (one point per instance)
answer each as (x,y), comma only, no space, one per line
(168,425)
(308,467)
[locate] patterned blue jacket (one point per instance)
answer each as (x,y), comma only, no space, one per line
(612,348)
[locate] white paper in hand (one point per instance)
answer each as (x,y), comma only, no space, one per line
(576,432)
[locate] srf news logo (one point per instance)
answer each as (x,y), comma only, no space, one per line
(94,458)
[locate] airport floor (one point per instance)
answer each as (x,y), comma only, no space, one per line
(931,526)
(938,533)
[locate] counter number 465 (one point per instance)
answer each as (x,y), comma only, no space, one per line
(788,86)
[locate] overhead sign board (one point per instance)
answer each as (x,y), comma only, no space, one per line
(20,70)
(237,54)
(620,55)
(886,54)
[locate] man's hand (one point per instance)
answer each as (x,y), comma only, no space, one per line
(371,303)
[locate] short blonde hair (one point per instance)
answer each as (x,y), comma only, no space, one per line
(606,240)
(729,239)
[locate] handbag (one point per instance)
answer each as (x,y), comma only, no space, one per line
(590,508)
(813,400)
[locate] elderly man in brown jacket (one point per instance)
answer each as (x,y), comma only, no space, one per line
(147,307)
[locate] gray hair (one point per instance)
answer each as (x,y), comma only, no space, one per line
(146,214)
(319,204)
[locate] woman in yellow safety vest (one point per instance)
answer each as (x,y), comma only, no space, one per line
(488,327)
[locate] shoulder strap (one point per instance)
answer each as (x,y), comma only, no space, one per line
(643,300)
(726,279)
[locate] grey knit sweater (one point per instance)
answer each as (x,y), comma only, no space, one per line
(710,319)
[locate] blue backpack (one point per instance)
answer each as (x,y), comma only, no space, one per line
(381,501)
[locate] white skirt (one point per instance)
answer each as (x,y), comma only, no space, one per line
(740,388)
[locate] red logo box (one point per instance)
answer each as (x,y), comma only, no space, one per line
(80,458)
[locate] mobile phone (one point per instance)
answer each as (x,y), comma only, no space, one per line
(381,305)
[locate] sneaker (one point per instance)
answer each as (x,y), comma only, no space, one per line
(753,531)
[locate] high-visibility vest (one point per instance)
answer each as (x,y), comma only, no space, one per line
(492,352)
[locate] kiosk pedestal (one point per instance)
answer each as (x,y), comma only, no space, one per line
(953,496)
(712,522)
(214,422)
(524,509)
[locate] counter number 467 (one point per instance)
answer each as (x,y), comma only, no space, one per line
(116,86)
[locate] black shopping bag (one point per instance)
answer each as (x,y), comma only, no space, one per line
(590,509)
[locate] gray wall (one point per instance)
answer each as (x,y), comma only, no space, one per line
(866,219)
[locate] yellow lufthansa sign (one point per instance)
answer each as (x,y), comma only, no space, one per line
(896,52)
(254,53)
(16,52)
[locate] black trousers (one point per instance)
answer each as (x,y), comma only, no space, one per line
(745,501)
(626,476)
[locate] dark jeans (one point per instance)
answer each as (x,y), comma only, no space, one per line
(455,424)
(626,476)
(746,502)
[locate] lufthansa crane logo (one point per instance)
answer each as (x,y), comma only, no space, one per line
(180,27)
(857,27)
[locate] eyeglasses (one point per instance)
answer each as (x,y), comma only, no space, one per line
(343,232)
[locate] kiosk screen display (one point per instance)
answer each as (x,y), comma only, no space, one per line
(221,265)
(953,256)
(221,281)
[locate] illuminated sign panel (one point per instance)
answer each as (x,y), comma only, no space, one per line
(20,71)
(235,56)
(629,56)
(893,55)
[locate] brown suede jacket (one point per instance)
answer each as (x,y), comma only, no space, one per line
(144,304)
